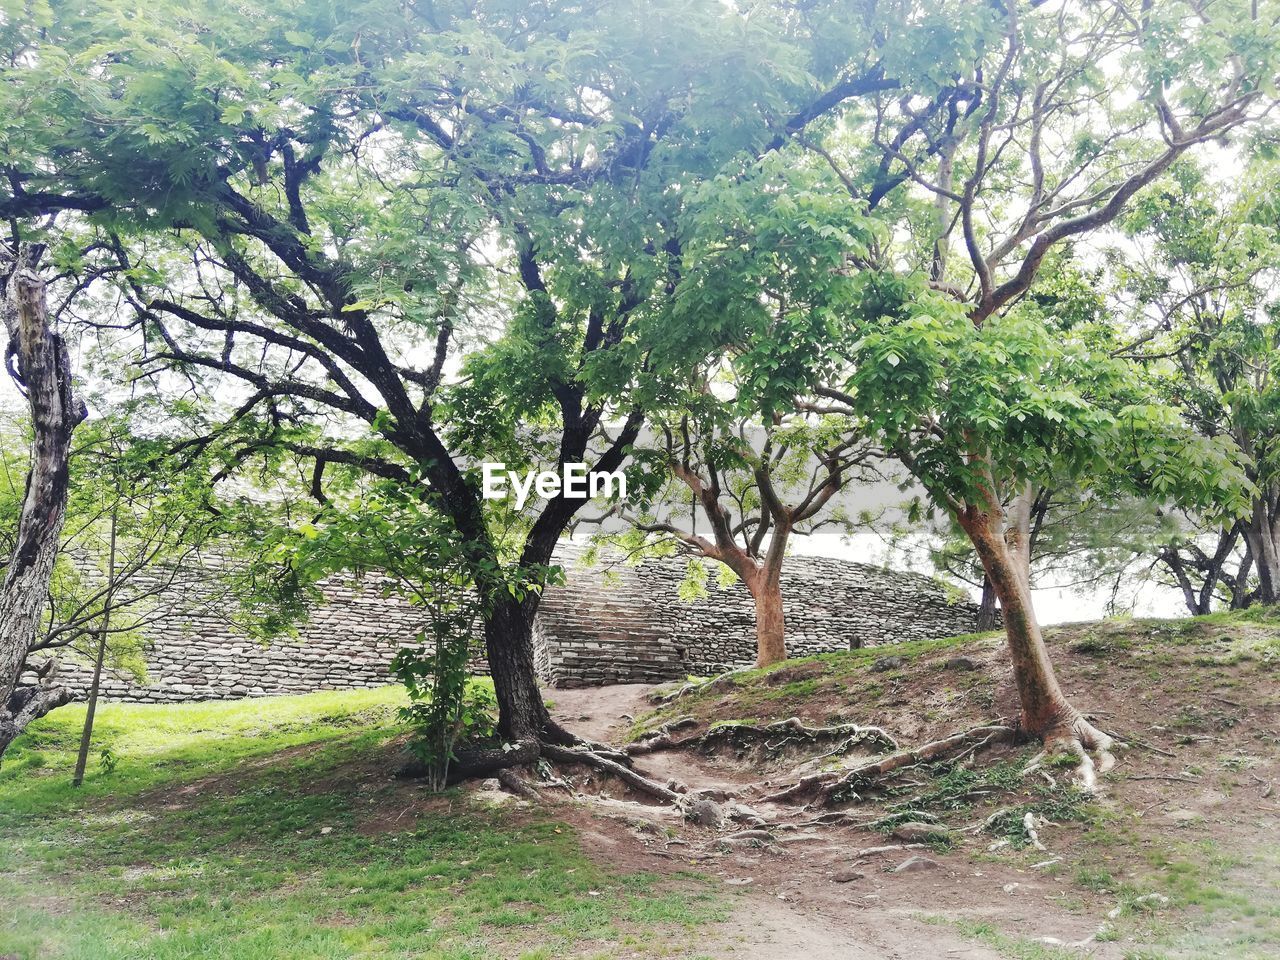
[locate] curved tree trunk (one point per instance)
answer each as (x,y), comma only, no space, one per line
(771,645)
(1192,598)
(44,372)
(1045,712)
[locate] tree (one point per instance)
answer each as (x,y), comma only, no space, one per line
(136,521)
(376,526)
(736,426)
(168,514)
(1096,538)
(954,366)
(330,205)
(296,269)
(1197,285)
(755,485)
(37,360)
(415,236)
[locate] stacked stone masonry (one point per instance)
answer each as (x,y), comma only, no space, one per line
(617,623)
(611,623)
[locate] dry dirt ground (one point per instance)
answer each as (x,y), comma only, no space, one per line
(1178,857)
(786,904)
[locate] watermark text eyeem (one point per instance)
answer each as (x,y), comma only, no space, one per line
(574,482)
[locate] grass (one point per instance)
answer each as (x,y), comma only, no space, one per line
(1006,945)
(757,695)
(267,830)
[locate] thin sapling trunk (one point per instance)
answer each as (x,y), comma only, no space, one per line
(86,737)
(1045,711)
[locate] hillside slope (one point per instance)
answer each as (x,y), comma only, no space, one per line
(1178,857)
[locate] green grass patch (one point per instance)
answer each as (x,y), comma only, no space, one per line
(269,830)
(1014,947)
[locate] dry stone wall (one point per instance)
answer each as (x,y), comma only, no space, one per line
(615,623)
(611,623)
(197,652)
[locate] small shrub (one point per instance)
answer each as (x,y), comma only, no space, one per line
(472,719)
(1099,881)
(107,760)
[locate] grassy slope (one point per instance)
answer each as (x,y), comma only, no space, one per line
(1190,813)
(268,830)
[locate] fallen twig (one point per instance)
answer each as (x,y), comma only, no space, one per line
(1164,776)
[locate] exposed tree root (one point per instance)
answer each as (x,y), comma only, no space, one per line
(711,683)
(1031,824)
(962,744)
(832,786)
(558,735)
(773,735)
(793,730)
(482,761)
(802,787)
(626,774)
(661,739)
(1076,736)
(518,785)
(499,762)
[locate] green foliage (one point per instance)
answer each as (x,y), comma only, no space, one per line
(763,267)
(1202,297)
(1060,803)
(107,760)
(954,787)
(368,239)
(397,535)
(694,584)
(443,718)
(1040,402)
(166,512)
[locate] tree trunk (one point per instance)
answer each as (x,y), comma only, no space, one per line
(44,372)
(91,709)
(1172,559)
(1262,531)
(771,645)
(1045,712)
(508,635)
(1240,584)
(987,617)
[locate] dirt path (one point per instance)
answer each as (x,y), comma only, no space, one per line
(815,898)
(599,713)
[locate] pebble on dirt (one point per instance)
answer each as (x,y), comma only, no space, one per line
(705,813)
(913,864)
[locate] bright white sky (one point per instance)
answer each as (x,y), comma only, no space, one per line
(1054,604)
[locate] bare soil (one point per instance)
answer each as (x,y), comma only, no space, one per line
(1179,857)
